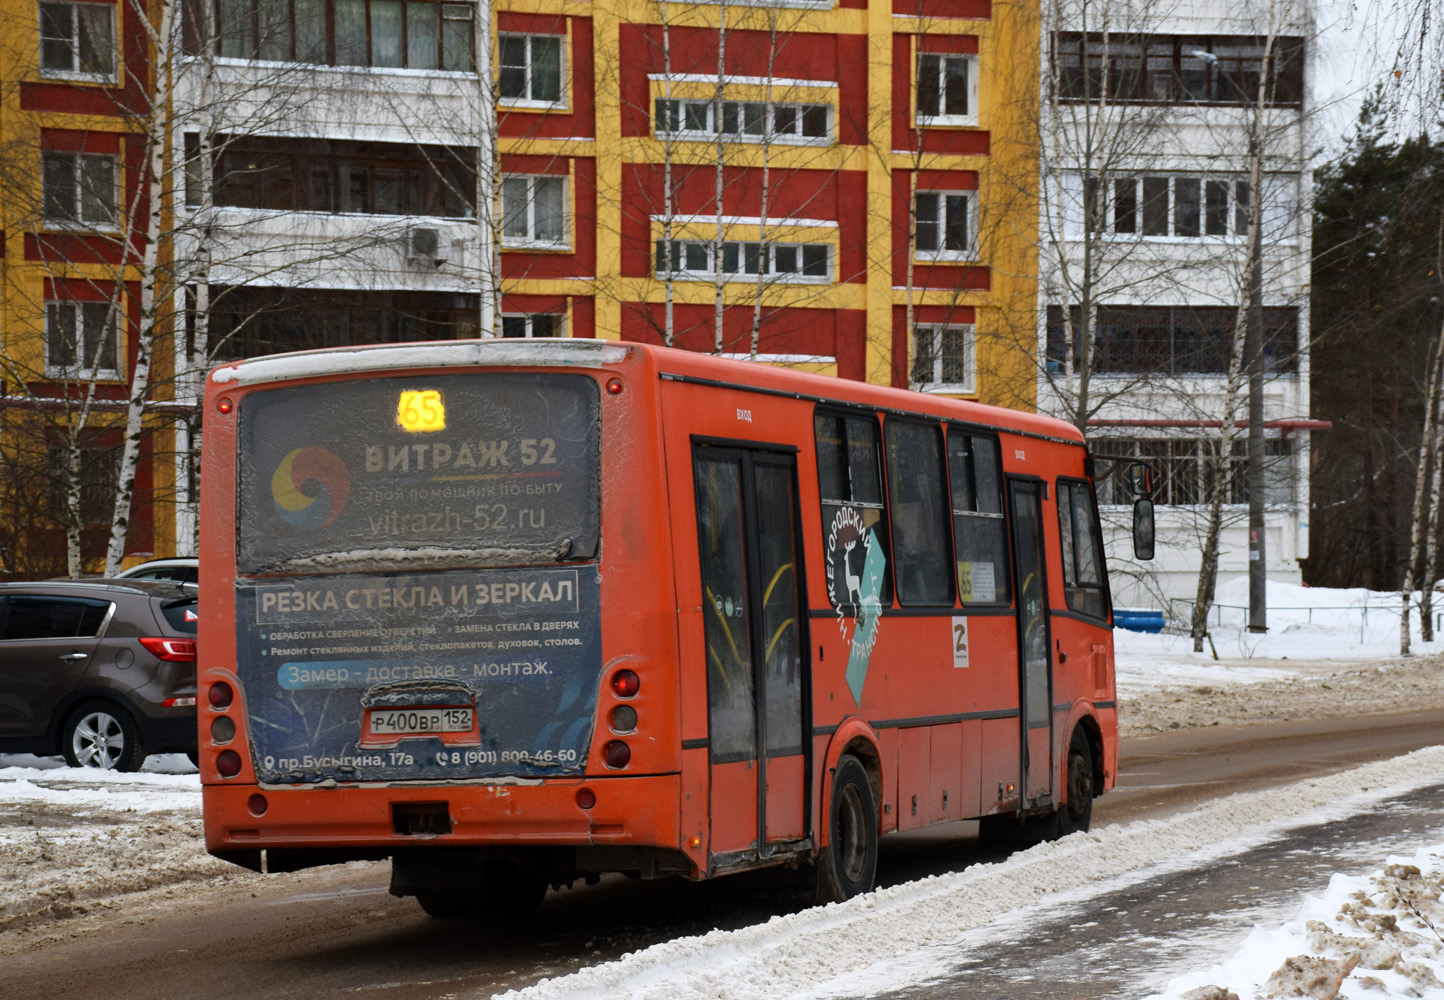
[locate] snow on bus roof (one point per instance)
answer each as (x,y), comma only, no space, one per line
(574,352)
(435,354)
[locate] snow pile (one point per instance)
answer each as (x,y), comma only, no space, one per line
(908,933)
(1366,937)
(77,839)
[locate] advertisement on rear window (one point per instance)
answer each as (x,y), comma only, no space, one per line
(454,675)
(479,469)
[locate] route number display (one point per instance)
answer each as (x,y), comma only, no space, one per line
(421,410)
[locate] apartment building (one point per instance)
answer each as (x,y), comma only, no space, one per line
(834,185)
(74,108)
(1150,130)
(728,177)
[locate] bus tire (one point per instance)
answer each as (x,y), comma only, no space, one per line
(1010,830)
(847,865)
(507,892)
(447,905)
(1077,811)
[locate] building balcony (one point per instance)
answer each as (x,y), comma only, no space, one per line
(315,249)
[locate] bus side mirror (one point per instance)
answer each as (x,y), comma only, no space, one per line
(1140,479)
(1143,529)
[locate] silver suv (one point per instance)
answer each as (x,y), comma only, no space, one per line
(102,671)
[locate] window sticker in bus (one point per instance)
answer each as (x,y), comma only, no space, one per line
(849,473)
(979,534)
(465,470)
(425,676)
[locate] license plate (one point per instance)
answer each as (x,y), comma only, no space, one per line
(419,721)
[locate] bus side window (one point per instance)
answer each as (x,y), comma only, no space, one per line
(917,493)
(1082,556)
(854,532)
(980,542)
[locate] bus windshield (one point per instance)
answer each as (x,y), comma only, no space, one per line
(474,470)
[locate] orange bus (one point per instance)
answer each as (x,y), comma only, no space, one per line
(514,613)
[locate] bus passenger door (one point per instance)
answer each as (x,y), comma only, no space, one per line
(1034,662)
(750,553)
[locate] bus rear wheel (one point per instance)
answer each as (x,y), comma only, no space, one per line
(1008,829)
(847,866)
(502,891)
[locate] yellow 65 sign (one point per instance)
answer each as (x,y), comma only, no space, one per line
(420,410)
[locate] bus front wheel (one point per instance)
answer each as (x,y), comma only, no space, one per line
(848,864)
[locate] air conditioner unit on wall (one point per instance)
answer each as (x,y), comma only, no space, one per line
(424,248)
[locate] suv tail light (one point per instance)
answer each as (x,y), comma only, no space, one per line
(166,648)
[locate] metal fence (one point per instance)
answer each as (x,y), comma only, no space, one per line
(1216,612)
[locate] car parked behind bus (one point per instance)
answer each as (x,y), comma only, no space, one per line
(101,671)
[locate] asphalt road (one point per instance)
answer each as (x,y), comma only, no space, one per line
(335,932)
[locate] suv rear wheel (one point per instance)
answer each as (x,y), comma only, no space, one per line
(104,736)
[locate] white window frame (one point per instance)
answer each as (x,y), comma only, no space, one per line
(529,319)
(77,219)
(56,367)
(1281,469)
(970,358)
(527,101)
(969,251)
(107,45)
(531,240)
(770,134)
(1278,215)
(691,248)
(970,118)
(1235,228)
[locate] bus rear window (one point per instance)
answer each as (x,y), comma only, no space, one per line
(482,469)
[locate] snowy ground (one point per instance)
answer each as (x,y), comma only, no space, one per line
(79,841)
(1327,653)
(1374,936)
(910,934)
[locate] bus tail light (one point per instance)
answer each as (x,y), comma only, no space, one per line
(616,754)
(220,695)
(257,804)
(586,798)
(166,648)
(626,683)
(623,719)
(228,763)
(223,730)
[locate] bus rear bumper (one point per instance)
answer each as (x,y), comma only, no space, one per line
(638,811)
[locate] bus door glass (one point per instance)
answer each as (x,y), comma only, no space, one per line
(746,520)
(1078,632)
(1034,661)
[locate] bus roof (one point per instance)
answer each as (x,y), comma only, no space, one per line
(669,362)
